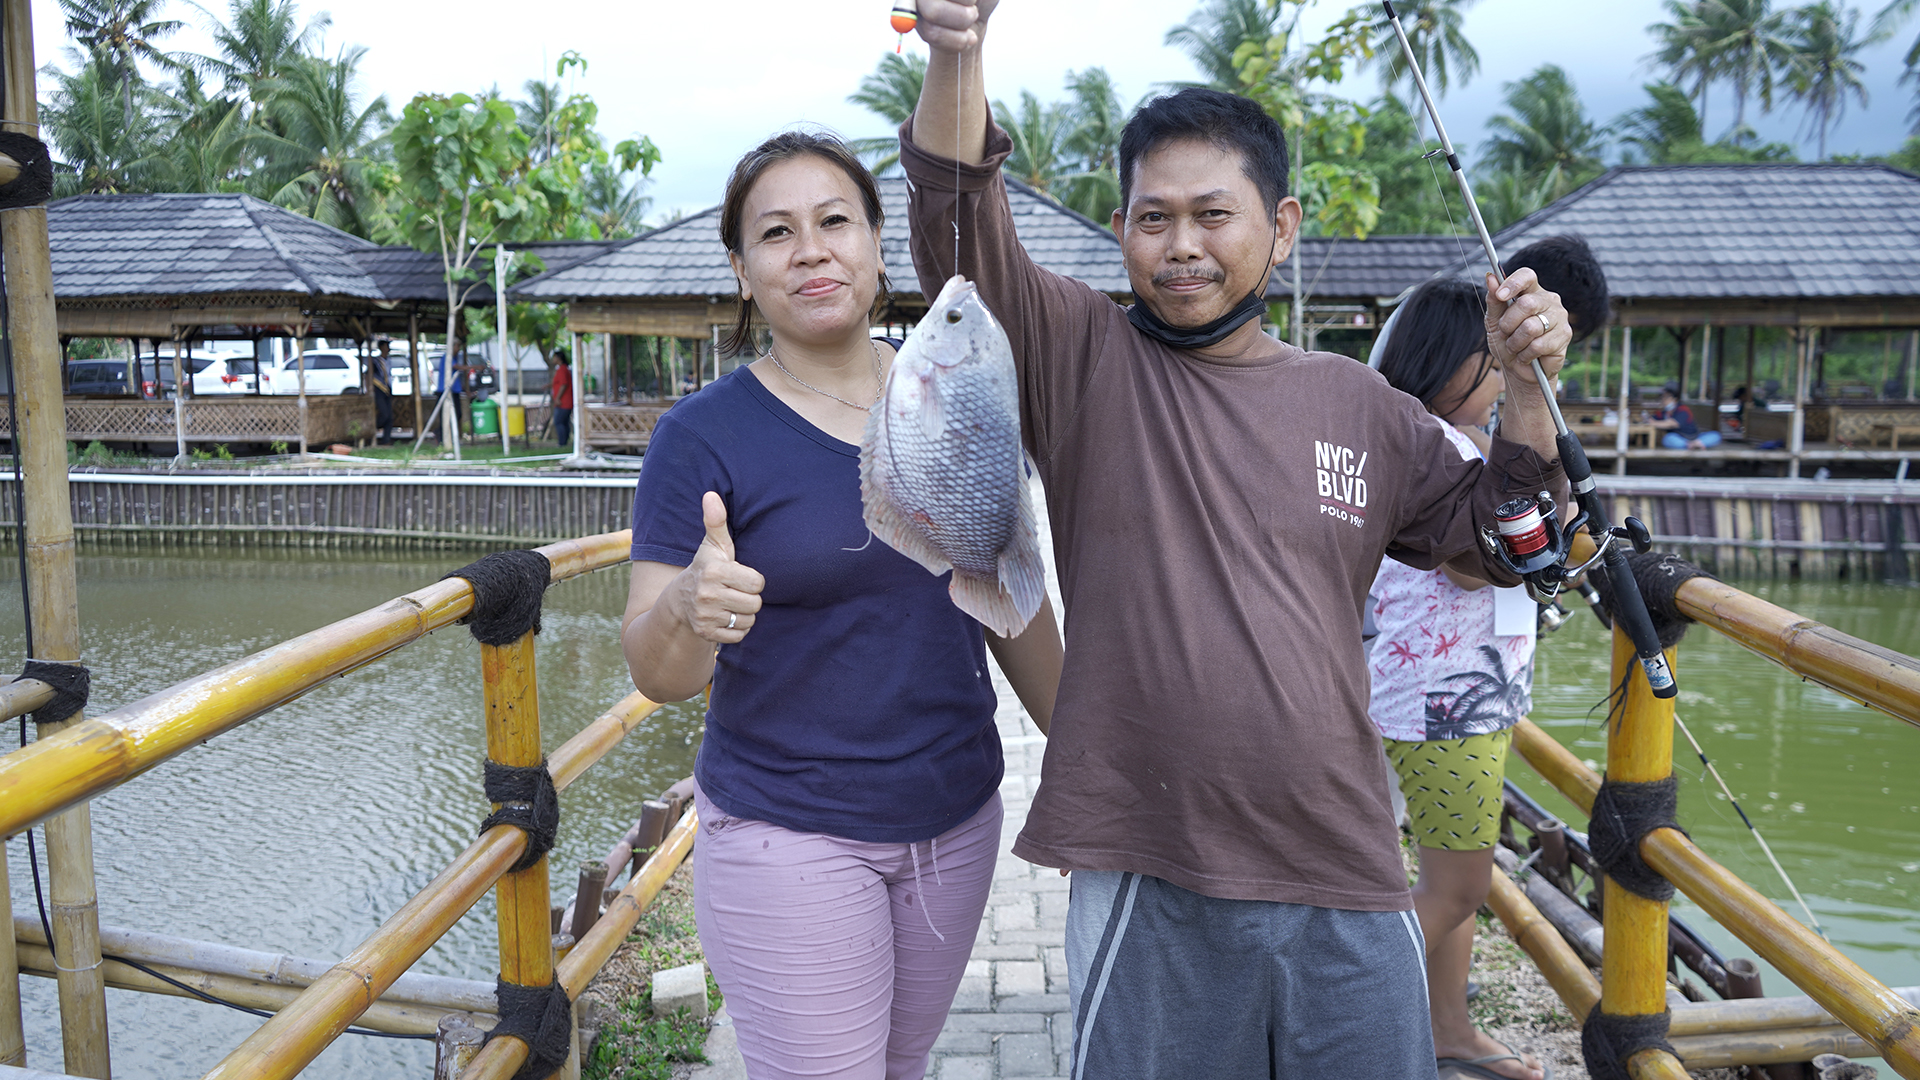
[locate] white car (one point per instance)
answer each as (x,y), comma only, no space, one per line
(327,373)
(214,375)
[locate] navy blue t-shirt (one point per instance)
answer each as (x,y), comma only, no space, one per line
(860,704)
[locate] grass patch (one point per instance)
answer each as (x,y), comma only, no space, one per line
(634,1044)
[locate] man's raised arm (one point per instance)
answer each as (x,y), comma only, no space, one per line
(951,119)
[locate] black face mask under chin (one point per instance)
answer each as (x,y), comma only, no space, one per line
(1197,337)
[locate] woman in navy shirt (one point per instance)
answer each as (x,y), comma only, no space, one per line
(848,784)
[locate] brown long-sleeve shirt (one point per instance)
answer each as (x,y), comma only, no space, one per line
(1215,528)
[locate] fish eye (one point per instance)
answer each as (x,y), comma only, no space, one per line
(953,316)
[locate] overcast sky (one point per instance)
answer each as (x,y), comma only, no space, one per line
(708,79)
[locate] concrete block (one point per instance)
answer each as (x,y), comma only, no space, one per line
(1026,1055)
(678,988)
(1011,977)
(975,994)
(1056,959)
(1007,951)
(723,1052)
(1034,1003)
(995,1023)
(1018,916)
(964,1042)
(980,969)
(964,1067)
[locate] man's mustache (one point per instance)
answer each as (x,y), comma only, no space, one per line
(1191,273)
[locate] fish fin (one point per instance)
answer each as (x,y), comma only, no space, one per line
(986,601)
(933,411)
(1023,573)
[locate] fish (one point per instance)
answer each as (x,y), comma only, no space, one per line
(943,477)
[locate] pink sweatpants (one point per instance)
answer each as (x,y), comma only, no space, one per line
(838,958)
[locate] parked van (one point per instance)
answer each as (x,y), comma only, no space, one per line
(327,373)
(110,377)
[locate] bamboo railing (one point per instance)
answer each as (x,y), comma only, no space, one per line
(1640,748)
(65,769)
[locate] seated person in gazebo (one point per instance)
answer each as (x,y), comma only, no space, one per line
(1674,422)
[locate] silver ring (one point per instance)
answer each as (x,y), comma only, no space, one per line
(1545,325)
(731,619)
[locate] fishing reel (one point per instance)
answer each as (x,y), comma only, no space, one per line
(1529,541)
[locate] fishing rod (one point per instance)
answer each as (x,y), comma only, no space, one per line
(1530,541)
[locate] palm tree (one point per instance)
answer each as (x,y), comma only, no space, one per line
(1093,138)
(1825,73)
(536,115)
(1651,133)
(1440,44)
(260,41)
(1548,140)
(210,145)
(320,151)
(120,34)
(1039,132)
(1213,34)
(890,90)
(614,206)
(86,119)
(1884,24)
(1753,48)
(1687,49)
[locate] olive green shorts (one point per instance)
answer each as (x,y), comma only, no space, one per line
(1453,788)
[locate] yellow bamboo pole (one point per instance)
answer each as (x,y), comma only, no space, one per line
(1842,987)
(52,584)
(290,1041)
(513,738)
(503,1056)
(1867,673)
(13,1040)
(57,772)
(1564,970)
(1655,1064)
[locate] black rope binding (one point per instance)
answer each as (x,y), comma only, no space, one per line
(507,589)
(528,802)
(1623,815)
(1660,575)
(541,1017)
(35,181)
(1607,1041)
(71,683)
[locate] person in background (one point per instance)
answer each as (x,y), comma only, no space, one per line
(848,785)
(1447,686)
(380,379)
(1674,422)
(454,360)
(560,392)
(1742,400)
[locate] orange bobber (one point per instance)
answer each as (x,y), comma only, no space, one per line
(905,16)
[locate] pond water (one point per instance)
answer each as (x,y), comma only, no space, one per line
(303,830)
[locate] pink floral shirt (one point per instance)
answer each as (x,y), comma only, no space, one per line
(1439,672)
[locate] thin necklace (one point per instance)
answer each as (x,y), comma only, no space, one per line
(878,387)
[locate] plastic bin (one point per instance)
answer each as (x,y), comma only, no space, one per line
(486,417)
(517,421)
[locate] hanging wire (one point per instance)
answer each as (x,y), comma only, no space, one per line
(1453,228)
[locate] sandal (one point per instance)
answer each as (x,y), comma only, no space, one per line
(1476,1068)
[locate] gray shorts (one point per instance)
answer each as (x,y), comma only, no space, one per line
(1170,983)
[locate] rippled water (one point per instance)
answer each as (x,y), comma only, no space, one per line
(303,830)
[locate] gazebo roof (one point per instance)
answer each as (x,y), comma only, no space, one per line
(1369,271)
(1771,231)
(197,245)
(687,260)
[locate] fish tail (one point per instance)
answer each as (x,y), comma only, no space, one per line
(985,600)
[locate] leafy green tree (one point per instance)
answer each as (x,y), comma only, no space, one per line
(1667,131)
(119,34)
(890,91)
(261,41)
(536,114)
(1824,70)
(1547,140)
(1437,33)
(1885,24)
(1754,47)
(320,150)
(210,145)
(86,118)
(1039,132)
(1687,49)
(1094,143)
(1214,35)
(614,205)
(1413,193)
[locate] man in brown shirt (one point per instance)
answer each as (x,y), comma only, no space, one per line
(1220,501)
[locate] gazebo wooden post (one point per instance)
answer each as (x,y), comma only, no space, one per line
(1706,362)
(179,405)
(1913,359)
(413,369)
(52,583)
(1797,432)
(1620,431)
(1606,355)
(579,399)
(1752,332)
(300,375)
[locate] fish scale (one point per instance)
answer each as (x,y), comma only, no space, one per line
(942,473)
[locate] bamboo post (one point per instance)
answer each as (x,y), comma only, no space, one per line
(180,385)
(1633,970)
(1797,432)
(13,1041)
(52,583)
(1565,971)
(413,373)
(579,400)
(1620,432)
(513,738)
(500,260)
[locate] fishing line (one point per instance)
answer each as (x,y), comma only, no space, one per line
(1453,228)
(1748,822)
